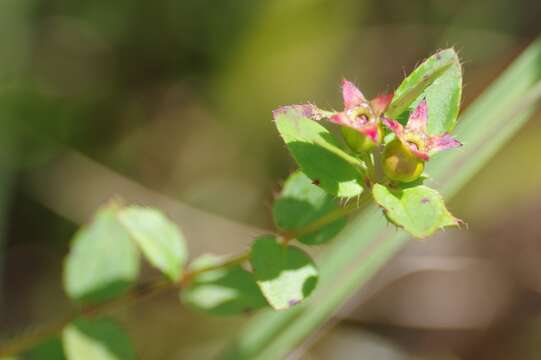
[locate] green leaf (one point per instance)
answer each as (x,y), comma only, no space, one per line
(439,80)
(103,261)
(302,203)
(318,154)
(96,339)
(226,291)
(443,97)
(285,274)
(367,243)
(420,210)
(160,240)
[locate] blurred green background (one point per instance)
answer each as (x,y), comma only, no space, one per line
(169,103)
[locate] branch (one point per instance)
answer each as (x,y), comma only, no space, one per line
(158,286)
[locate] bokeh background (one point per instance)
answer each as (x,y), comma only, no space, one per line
(169,103)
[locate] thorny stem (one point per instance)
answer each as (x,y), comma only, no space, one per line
(155,287)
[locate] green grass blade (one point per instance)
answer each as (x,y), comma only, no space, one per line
(368,242)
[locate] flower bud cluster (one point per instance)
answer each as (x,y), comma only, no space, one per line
(362,124)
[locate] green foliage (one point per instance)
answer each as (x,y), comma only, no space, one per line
(159,239)
(225,291)
(285,274)
(433,90)
(103,261)
(441,76)
(443,97)
(318,154)
(301,203)
(420,210)
(367,244)
(96,339)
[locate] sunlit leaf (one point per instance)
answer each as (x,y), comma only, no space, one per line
(285,274)
(226,291)
(301,203)
(318,154)
(439,80)
(160,240)
(420,210)
(103,261)
(96,339)
(443,98)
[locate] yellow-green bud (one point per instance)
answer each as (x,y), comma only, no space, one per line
(400,164)
(358,142)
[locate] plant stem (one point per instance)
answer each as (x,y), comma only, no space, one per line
(378,160)
(327,219)
(152,288)
(40,334)
(367,158)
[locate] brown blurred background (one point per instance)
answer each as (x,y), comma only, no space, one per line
(169,103)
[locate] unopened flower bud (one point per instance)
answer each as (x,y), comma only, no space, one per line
(400,163)
(362,142)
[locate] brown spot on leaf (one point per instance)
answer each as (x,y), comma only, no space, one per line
(316,182)
(425,200)
(247,311)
